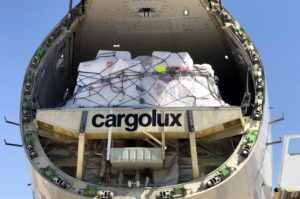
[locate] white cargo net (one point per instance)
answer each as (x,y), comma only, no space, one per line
(165,79)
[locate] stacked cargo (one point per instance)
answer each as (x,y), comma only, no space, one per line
(165,79)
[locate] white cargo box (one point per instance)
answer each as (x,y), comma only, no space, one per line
(136,158)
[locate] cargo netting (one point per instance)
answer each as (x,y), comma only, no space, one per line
(164,79)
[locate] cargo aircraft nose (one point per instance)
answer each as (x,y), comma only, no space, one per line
(146,99)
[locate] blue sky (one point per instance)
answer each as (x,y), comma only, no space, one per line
(273,26)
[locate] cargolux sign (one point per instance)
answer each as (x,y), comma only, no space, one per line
(133,121)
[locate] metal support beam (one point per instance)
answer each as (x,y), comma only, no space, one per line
(276,142)
(163,140)
(163,146)
(152,137)
(80,155)
(194,155)
(193,144)
(109,140)
(10,122)
(81,145)
(277,120)
(11,144)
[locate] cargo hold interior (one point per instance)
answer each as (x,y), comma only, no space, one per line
(200,35)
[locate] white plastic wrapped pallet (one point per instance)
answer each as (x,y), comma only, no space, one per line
(107,82)
(180,91)
(165,79)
